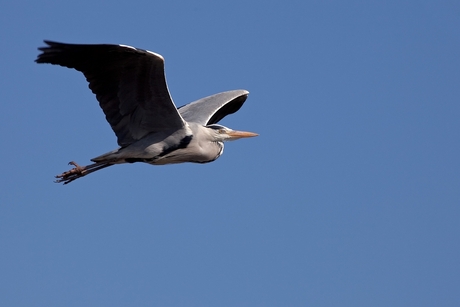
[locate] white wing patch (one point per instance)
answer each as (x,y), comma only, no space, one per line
(156,54)
(153,53)
(126,46)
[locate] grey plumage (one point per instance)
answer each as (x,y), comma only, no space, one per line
(211,109)
(131,88)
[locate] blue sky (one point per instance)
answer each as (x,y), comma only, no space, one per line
(349,197)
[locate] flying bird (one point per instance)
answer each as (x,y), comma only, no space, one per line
(131,88)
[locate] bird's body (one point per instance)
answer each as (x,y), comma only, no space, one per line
(162,148)
(130,86)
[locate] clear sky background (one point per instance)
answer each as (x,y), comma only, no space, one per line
(350,196)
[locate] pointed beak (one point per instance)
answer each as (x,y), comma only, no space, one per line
(234,135)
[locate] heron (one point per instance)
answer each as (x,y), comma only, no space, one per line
(131,88)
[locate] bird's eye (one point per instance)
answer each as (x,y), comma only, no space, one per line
(215,127)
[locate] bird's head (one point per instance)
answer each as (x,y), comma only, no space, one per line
(222,133)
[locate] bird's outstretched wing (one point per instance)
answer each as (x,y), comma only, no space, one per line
(210,110)
(129,84)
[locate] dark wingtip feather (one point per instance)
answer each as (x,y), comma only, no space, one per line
(42,57)
(227,109)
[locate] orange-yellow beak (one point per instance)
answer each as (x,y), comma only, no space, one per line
(234,135)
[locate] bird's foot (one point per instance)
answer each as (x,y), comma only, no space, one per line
(69,176)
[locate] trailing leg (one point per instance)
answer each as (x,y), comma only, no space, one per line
(80,171)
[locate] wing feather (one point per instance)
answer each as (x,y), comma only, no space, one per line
(210,110)
(129,84)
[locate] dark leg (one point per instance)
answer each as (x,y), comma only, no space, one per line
(80,171)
